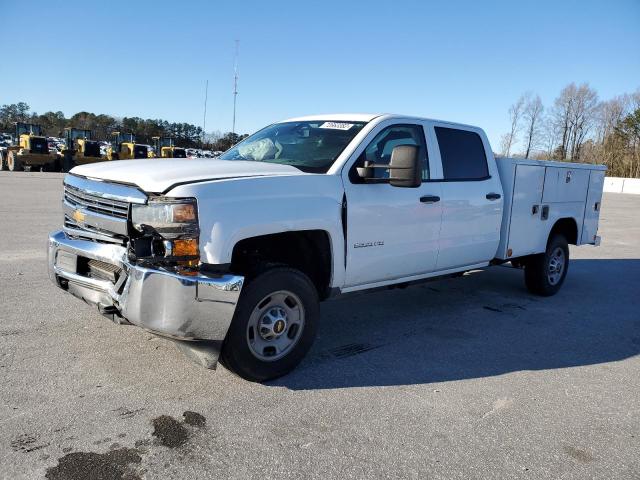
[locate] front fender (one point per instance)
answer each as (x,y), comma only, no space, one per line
(233,210)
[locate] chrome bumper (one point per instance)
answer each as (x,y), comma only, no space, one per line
(178,306)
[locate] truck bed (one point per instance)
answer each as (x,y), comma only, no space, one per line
(539,193)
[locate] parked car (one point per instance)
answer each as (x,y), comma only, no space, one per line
(234,256)
(104,147)
(52,144)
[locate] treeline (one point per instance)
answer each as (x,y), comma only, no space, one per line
(578,127)
(53,124)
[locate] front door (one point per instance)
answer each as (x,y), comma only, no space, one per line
(392,232)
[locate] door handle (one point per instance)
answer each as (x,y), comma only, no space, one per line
(493,196)
(429,199)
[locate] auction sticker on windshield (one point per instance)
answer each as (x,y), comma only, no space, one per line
(337,125)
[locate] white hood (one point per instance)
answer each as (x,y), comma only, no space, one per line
(158,175)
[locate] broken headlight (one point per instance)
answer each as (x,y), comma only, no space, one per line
(167,231)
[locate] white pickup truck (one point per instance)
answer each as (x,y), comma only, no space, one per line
(232,256)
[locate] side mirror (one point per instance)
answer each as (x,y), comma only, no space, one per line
(404,168)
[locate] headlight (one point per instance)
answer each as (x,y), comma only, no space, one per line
(168,231)
(170,218)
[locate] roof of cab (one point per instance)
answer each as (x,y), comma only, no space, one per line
(367,117)
(342,117)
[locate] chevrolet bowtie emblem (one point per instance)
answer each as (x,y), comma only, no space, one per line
(78,216)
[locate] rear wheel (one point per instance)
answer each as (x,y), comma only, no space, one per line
(544,274)
(14,162)
(3,160)
(274,325)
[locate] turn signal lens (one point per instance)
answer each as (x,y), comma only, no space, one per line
(185,247)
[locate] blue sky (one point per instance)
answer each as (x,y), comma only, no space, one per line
(463,61)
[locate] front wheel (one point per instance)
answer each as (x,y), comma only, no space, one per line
(544,273)
(274,325)
(14,162)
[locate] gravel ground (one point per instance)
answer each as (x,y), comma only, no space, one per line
(462,378)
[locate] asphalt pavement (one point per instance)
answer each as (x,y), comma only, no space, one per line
(462,378)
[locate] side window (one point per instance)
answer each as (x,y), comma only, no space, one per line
(380,148)
(462,153)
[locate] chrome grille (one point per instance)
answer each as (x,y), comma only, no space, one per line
(93,203)
(74,229)
(98,210)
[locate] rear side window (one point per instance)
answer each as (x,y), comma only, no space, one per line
(462,154)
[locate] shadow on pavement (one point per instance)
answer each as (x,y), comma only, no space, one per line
(481,325)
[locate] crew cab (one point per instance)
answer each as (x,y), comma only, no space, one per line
(231,256)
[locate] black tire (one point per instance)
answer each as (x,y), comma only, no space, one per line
(540,272)
(3,160)
(237,354)
(14,162)
(67,163)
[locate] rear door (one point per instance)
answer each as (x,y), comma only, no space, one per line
(471,196)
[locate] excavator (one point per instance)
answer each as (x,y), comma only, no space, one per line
(31,150)
(79,148)
(124,147)
(166,149)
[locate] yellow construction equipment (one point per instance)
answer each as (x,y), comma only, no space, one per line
(166,149)
(124,147)
(31,150)
(79,148)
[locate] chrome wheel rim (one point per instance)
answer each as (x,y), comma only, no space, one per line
(555,269)
(275,325)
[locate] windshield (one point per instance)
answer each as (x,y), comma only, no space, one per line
(310,146)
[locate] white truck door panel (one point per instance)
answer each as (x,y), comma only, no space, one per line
(524,231)
(390,233)
(470,230)
(592,207)
(471,207)
(565,185)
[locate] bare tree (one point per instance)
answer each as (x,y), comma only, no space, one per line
(562,110)
(550,136)
(580,128)
(574,115)
(609,114)
(582,118)
(515,113)
(532,117)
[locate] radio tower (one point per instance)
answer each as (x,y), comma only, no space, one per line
(204,116)
(235,87)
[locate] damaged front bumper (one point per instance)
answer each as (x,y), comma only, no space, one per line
(198,309)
